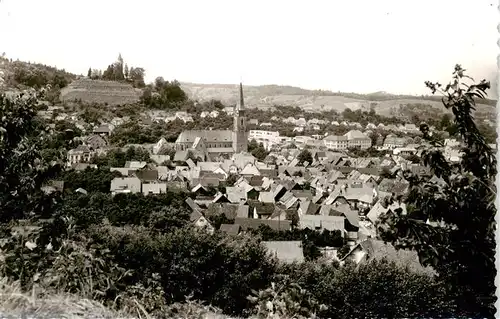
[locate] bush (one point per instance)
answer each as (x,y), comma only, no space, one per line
(379,289)
(211,268)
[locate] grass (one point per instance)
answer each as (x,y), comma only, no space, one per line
(15,303)
(38,304)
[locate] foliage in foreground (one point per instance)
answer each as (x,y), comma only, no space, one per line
(451,223)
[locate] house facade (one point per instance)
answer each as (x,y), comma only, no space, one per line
(267,138)
(334,142)
(81,154)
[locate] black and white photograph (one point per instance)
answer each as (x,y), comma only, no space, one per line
(248,159)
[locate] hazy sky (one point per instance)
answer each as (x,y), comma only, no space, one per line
(356,46)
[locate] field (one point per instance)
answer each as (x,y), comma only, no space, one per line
(96,91)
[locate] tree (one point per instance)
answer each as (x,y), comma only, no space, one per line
(260,152)
(305,156)
(458,241)
(23,171)
(136,75)
(89,73)
(252,145)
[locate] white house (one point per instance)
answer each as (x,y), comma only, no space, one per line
(335,142)
(267,138)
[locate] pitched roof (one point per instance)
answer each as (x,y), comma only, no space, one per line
(180,156)
(252,223)
(250,170)
(135,164)
(285,251)
(147,175)
(102,129)
(81,148)
(195,215)
(355,134)
(207,135)
(242,211)
(192,204)
(229,210)
(324,222)
(236,194)
(231,229)
(377,250)
(262,208)
(302,194)
(266,197)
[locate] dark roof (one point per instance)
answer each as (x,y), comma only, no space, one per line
(232,229)
(377,250)
(102,129)
(206,135)
(147,175)
(271,172)
(206,181)
(82,148)
(192,204)
(256,181)
(228,209)
(253,223)
(262,208)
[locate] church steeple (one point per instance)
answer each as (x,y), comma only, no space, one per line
(241,106)
(239,126)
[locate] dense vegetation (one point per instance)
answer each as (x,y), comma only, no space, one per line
(119,71)
(462,245)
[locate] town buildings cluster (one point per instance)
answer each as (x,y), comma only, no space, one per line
(333,191)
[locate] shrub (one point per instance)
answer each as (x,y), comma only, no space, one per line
(379,289)
(285,300)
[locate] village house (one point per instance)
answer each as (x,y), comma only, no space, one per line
(267,138)
(122,185)
(352,139)
(335,142)
(392,142)
(103,130)
(253,122)
(81,154)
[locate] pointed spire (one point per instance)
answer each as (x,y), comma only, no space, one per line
(242,100)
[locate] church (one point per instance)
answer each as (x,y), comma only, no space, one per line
(218,143)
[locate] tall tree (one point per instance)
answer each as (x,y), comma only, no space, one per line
(451,223)
(119,67)
(89,73)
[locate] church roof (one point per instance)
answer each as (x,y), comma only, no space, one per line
(208,136)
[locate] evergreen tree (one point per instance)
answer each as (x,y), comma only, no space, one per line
(89,73)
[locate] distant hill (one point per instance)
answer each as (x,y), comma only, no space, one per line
(266,96)
(98,91)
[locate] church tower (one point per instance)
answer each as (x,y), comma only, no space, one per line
(240,126)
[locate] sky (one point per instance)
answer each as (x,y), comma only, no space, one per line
(358,46)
